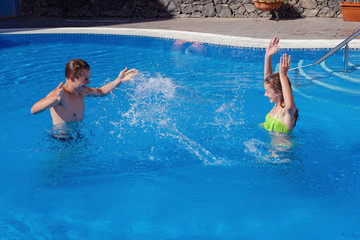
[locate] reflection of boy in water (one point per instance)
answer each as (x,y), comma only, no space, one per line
(66,102)
(196,46)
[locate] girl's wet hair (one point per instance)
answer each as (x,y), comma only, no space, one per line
(75,66)
(275,84)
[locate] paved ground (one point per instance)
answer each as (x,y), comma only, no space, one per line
(303,28)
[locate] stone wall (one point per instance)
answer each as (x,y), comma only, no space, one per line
(174,8)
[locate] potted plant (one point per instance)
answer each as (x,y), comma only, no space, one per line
(351,11)
(268,5)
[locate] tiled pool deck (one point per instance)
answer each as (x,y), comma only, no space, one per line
(304,32)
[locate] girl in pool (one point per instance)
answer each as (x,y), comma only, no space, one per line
(282,117)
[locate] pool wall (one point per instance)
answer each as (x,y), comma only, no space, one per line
(210,38)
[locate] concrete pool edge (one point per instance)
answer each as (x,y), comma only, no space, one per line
(210,38)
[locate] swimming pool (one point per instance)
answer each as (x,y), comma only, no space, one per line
(177,153)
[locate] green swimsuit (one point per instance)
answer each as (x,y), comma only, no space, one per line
(274,124)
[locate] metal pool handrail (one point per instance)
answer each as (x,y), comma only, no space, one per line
(340,45)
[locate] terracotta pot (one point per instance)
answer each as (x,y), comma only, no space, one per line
(267,5)
(350,11)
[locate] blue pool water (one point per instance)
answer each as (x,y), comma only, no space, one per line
(177,153)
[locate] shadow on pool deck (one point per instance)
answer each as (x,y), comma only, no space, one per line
(301,28)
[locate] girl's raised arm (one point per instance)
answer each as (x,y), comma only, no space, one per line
(285,82)
(270,51)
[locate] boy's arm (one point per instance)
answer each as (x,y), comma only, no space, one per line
(270,51)
(51,100)
(285,84)
(124,76)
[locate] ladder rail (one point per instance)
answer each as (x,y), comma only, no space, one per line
(340,45)
(346,58)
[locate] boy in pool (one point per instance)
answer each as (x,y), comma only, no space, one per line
(66,102)
(282,118)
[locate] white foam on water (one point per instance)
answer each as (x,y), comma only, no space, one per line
(354,66)
(151,104)
(336,88)
(225,114)
(267,153)
(151,99)
(326,85)
(277,67)
(199,151)
(339,74)
(312,98)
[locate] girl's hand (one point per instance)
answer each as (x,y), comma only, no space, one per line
(284,64)
(273,46)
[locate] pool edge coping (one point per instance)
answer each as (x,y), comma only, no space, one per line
(210,38)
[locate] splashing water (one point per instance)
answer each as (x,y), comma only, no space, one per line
(152,103)
(151,100)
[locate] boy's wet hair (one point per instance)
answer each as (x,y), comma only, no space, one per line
(75,66)
(275,84)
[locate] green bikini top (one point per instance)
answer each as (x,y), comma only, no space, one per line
(274,124)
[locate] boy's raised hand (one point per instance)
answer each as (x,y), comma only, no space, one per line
(273,46)
(60,91)
(284,64)
(126,75)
